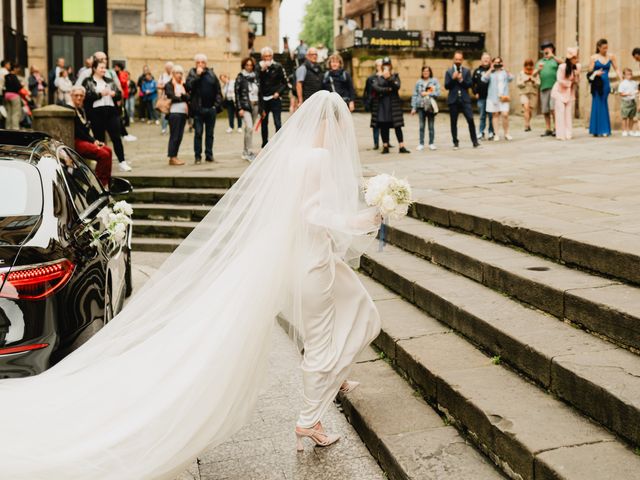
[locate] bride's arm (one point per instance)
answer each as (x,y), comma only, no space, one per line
(318,209)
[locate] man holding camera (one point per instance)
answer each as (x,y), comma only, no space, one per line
(458,81)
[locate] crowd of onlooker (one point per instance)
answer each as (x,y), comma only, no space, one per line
(106,98)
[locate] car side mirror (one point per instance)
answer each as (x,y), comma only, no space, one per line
(119,186)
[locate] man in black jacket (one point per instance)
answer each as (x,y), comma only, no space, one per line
(206,101)
(480,89)
(308,76)
(458,81)
(273,84)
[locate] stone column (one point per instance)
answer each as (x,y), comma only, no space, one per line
(56,121)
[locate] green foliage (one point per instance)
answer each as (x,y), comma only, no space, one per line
(317,24)
(496,360)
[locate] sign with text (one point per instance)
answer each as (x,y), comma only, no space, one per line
(387,38)
(459,40)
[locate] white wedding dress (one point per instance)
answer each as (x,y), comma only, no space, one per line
(180,368)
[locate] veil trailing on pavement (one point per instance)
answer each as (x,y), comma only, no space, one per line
(180,368)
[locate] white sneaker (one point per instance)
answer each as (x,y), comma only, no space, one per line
(635,134)
(432,147)
(124,167)
(625,133)
(163,131)
(239,129)
(157,122)
(130,138)
(229,130)
(496,138)
(131,120)
(420,147)
(508,137)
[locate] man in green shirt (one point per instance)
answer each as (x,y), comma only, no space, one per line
(547,67)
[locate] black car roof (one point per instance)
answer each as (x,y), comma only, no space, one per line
(22,145)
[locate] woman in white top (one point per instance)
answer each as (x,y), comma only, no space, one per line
(498,100)
(100,105)
(63,88)
(176,92)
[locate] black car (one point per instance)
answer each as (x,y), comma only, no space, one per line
(62,277)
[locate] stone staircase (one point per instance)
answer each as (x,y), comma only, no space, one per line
(517,341)
(166,209)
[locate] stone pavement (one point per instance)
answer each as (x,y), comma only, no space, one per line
(265,448)
(587,182)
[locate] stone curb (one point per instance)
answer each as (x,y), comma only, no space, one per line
(598,304)
(591,374)
(611,253)
(529,434)
(407,438)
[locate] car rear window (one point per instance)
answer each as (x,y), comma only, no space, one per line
(20,189)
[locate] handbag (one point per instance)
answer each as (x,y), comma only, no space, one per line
(163,104)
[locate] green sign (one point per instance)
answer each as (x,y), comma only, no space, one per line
(77,11)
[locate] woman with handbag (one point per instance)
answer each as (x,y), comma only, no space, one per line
(498,100)
(176,92)
(423,102)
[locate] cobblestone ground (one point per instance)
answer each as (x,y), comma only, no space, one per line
(265,448)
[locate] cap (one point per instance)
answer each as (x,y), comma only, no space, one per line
(386,61)
(547,44)
(572,52)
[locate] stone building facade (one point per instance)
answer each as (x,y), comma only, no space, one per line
(514,28)
(151,32)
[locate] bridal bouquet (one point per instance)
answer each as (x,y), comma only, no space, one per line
(117,220)
(391,195)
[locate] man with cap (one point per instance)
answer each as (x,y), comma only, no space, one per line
(458,81)
(547,68)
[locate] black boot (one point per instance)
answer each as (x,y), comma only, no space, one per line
(385,149)
(404,150)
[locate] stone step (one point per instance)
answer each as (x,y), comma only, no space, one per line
(591,374)
(609,252)
(598,304)
(164,211)
(407,438)
(198,196)
(529,434)
(162,229)
(139,180)
(155,244)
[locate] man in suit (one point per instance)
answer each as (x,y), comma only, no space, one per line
(458,81)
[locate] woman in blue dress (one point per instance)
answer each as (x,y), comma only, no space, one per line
(601,63)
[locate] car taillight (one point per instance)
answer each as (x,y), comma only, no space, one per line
(22,348)
(34,282)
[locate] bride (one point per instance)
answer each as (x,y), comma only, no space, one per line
(180,368)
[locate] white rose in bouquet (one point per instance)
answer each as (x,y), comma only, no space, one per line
(390,194)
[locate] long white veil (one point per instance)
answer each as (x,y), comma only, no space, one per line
(181,366)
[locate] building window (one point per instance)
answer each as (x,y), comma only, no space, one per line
(175,17)
(256,19)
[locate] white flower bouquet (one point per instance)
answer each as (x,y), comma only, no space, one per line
(391,195)
(116,220)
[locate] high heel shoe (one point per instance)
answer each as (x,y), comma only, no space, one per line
(348,386)
(321,439)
